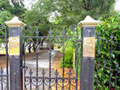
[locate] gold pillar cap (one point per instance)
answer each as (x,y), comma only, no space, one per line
(15,22)
(89,21)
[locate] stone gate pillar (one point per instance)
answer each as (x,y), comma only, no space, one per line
(87,53)
(15,57)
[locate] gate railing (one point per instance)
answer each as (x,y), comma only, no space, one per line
(107,69)
(99,70)
(4,75)
(50,79)
(3,80)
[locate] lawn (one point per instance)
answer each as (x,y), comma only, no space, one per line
(2,51)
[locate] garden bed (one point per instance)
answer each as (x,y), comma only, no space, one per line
(56,66)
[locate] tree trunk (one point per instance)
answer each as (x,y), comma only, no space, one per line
(29,48)
(102,6)
(42,42)
(86,4)
(34,48)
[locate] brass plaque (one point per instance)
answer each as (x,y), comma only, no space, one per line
(89,47)
(14,46)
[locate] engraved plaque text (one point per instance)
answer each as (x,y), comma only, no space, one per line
(14,46)
(89,47)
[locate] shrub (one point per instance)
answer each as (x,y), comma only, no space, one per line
(68,55)
(108,27)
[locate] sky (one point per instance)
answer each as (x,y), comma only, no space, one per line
(29,3)
(117,5)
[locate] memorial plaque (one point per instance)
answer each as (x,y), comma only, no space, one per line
(89,47)
(14,46)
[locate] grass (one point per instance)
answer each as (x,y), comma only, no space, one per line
(2,51)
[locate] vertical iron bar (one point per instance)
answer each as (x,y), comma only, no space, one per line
(104,62)
(77,47)
(24,61)
(110,61)
(21,59)
(56,73)
(1,79)
(63,57)
(70,79)
(43,74)
(50,51)
(37,33)
(6,37)
(98,52)
(116,76)
(30,79)
(81,57)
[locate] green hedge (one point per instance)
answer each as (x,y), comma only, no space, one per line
(109,28)
(68,55)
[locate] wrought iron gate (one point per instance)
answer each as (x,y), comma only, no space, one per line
(36,77)
(4,75)
(41,78)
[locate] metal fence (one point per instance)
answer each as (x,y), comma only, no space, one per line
(49,79)
(106,71)
(4,75)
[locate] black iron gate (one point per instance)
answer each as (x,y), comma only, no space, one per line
(46,77)
(36,77)
(4,75)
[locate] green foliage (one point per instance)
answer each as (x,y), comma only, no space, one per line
(4,16)
(39,15)
(74,11)
(46,13)
(110,26)
(68,57)
(7,12)
(4,5)
(70,47)
(18,10)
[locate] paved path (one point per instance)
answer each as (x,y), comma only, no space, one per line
(43,63)
(43,60)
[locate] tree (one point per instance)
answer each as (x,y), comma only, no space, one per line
(70,11)
(7,12)
(65,13)
(74,11)
(4,16)
(20,2)
(38,18)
